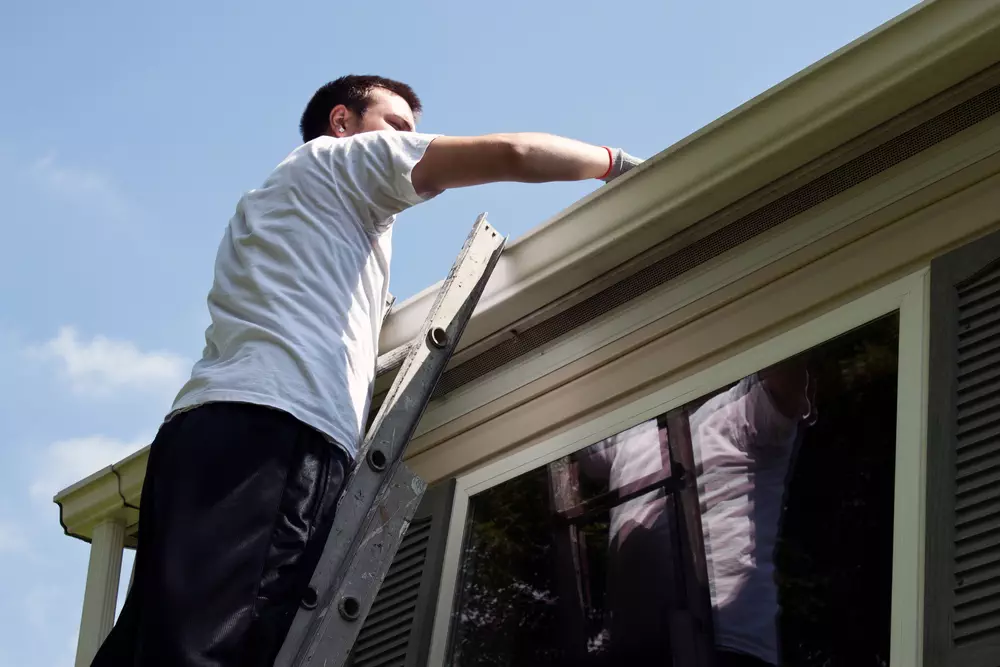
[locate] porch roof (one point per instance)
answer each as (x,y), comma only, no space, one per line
(878,76)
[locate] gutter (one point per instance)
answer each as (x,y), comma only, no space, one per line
(64,497)
(878,76)
(904,62)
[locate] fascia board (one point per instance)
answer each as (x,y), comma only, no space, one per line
(907,60)
(902,63)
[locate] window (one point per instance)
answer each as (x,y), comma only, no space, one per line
(755,523)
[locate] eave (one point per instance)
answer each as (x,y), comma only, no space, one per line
(904,62)
(876,78)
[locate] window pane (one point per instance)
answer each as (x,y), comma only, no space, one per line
(589,560)
(537,585)
(795,479)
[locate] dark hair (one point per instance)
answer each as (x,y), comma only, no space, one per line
(354,92)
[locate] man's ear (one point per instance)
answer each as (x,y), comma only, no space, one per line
(338,121)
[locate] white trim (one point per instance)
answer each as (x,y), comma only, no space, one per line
(894,67)
(100,595)
(907,295)
(906,643)
(821,112)
(978,143)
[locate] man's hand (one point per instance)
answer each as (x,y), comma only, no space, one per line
(621,162)
(455,162)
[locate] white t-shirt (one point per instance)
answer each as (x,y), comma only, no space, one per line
(631,456)
(743,446)
(301,280)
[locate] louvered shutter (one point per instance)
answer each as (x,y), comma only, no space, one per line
(397,632)
(962,586)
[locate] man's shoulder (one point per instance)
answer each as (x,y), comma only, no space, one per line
(311,159)
(374,145)
(326,151)
(327,143)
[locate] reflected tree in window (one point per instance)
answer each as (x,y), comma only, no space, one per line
(834,555)
(787,476)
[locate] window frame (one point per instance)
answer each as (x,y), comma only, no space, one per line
(910,297)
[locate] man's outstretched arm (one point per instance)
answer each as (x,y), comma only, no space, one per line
(456,162)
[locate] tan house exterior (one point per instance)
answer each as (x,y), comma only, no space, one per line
(865,186)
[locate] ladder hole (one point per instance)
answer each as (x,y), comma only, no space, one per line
(350,608)
(437,337)
(377,460)
(310,598)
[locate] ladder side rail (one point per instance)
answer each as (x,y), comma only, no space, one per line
(381,494)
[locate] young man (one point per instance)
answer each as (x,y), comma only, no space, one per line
(744,441)
(244,475)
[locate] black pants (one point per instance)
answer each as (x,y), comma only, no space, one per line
(236,507)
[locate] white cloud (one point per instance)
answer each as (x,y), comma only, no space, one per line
(83,186)
(102,366)
(67,461)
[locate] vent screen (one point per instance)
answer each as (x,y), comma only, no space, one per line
(885,156)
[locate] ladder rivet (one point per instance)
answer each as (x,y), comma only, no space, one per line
(376,459)
(349,608)
(437,337)
(310,598)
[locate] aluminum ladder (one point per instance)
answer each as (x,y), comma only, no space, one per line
(381,494)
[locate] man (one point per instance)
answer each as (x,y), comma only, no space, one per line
(243,476)
(745,440)
(641,584)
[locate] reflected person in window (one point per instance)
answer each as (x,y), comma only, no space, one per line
(641,572)
(744,440)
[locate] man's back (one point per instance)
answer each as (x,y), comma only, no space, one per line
(241,484)
(301,279)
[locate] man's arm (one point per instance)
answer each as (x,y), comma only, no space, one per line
(455,162)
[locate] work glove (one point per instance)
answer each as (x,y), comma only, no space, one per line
(620,163)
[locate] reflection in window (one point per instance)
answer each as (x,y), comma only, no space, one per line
(750,527)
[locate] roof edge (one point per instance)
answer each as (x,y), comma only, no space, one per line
(903,62)
(111,491)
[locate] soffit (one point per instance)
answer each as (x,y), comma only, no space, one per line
(738,167)
(901,64)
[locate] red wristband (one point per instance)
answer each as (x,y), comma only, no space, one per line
(611,163)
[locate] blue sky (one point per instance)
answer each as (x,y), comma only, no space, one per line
(128,133)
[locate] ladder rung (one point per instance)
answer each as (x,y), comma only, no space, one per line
(392,359)
(372,544)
